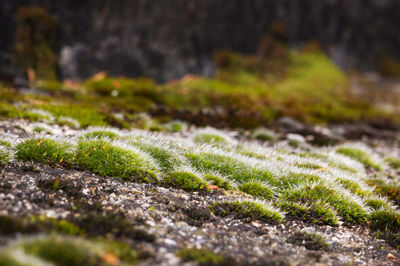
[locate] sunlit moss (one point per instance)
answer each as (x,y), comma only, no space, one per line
(107,159)
(46,151)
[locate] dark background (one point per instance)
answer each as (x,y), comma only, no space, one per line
(166,39)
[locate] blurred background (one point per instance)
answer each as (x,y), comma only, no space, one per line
(244,63)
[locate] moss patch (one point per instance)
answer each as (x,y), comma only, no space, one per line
(246,210)
(185,180)
(360,156)
(47,151)
(105,159)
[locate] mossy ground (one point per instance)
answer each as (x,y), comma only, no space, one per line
(310,187)
(248,91)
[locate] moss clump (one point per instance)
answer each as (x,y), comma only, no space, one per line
(204,257)
(78,251)
(210,138)
(360,156)
(218,181)
(246,210)
(257,189)
(176,126)
(344,206)
(354,187)
(228,166)
(185,180)
(166,159)
(5,155)
(309,240)
(388,189)
(86,115)
(385,220)
(35,224)
(36,42)
(316,212)
(393,162)
(264,134)
(377,204)
(46,151)
(105,159)
(68,121)
(101,134)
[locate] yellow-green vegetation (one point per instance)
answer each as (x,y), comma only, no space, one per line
(204,257)
(257,189)
(185,180)
(46,151)
(387,188)
(321,186)
(111,159)
(346,207)
(219,181)
(36,223)
(5,155)
(264,134)
(100,134)
(359,155)
(65,250)
(247,91)
(247,209)
(211,137)
(393,162)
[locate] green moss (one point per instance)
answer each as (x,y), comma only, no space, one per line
(393,162)
(85,115)
(209,138)
(77,251)
(176,126)
(309,240)
(377,204)
(105,159)
(264,134)
(388,189)
(203,257)
(185,180)
(294,179)
(68,121)
(246,210)
(100,134)
(7,259)
(360,156)
(5,143)
(45,151)
(354,187)
(347,208)
(229,167)
(316,212)
(257,189)
(385,220)
(36,224)
(5,155)
(218,181)
(166,159)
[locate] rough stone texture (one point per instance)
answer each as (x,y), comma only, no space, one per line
(167,39)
